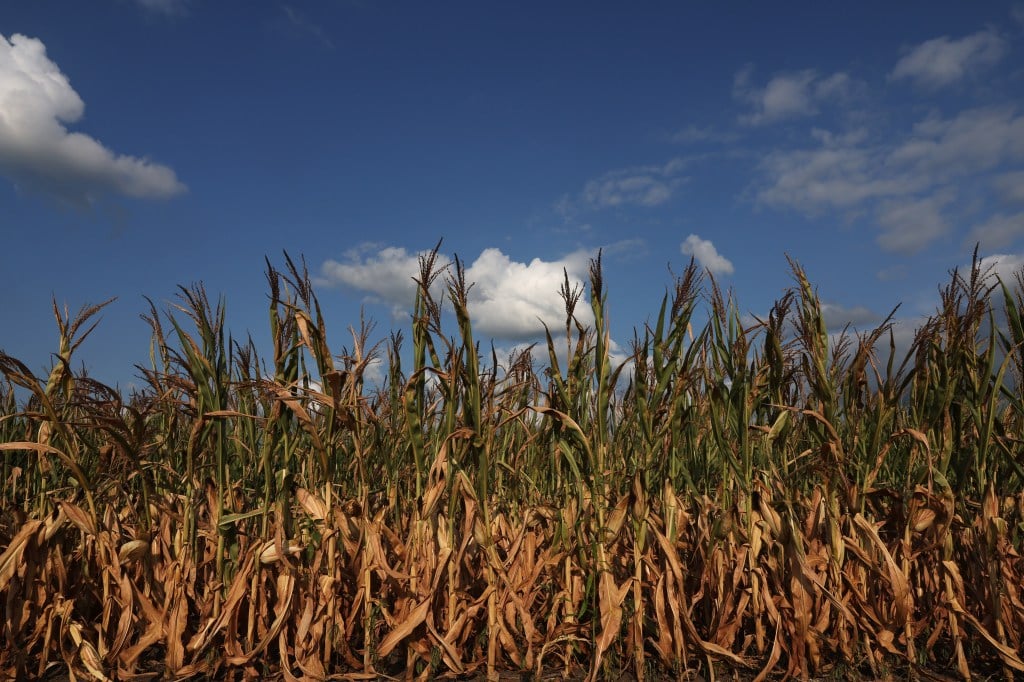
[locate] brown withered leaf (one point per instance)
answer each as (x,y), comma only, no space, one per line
(412,620)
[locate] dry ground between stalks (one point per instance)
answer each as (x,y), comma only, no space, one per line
(831,674)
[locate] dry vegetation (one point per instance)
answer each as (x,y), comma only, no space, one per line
(770,500)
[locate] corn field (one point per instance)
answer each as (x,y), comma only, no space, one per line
(757,499)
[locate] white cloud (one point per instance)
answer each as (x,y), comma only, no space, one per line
(301,23)
(904,331)
(974,140)
(788,95)
(639,186)
(943,61)
(892,273)
(387,275)
(1003,265)
(837,316)
(838,86)
(645,186)
(1011,186)
(695,134)
(627,250)
(706,255)
(841,176)
(900,178)
(998,231)
(508,300)
(37,151)
(511,300)
(541,359)
(163,6)
(642,190)
(374,372)
(910,225)
(1017,13)
(845,170)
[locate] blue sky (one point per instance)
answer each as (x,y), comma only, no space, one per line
(150,143)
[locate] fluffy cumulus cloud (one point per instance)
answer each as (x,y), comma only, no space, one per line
(941,62)
(706,255)
(788,95)
(1002,265)
(386,275)
(513,300)
(509,299)
(374,372)
(40,154)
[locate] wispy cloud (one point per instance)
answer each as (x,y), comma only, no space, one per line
(639,186)
(168,7)
(705,253)
(842,171)
(641,190)
(1017,13)
(1010,186)
(788,95)
(908,225)
(693,134)
(892,273)
(837,316)
(942,62)
(643,186)
(41,155)
(626,250)
(302,23)
(974,140)
(998,231)
(904,179)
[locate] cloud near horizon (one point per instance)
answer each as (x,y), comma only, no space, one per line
(509,299)
(41,155)
(837,316)
(1005,266)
